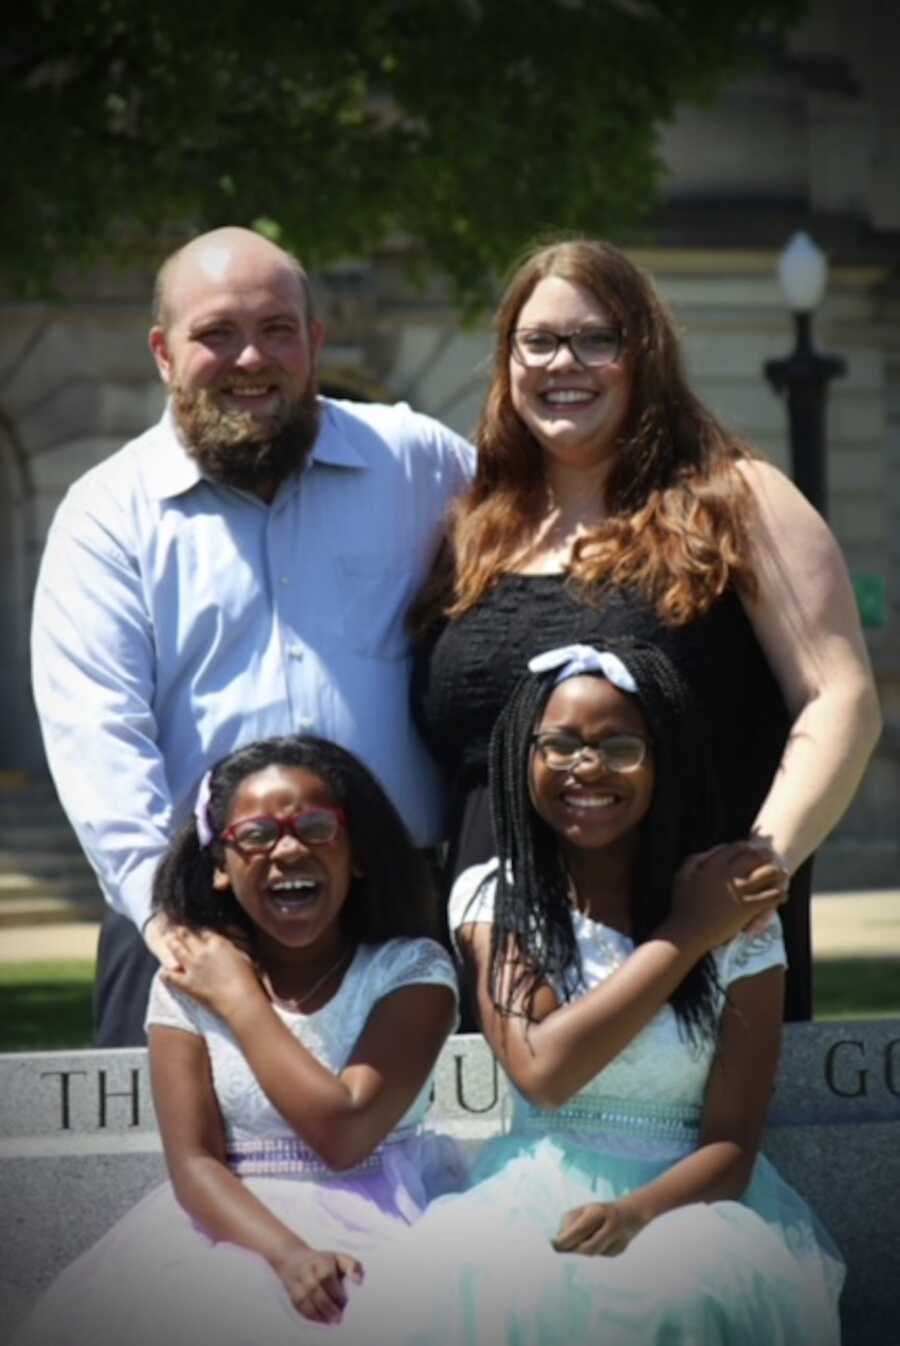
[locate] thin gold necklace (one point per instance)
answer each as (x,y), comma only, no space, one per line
(297,1002)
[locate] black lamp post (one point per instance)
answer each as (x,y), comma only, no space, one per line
(805,373)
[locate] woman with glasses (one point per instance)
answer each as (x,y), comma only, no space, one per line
(609,501)
(290,1054)
(637,1018)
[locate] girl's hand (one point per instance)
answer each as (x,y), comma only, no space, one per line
(601,1229)
(314,1281)
(722,891)
(761,873)
(210,968)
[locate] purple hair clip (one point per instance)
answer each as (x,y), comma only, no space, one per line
(205,834)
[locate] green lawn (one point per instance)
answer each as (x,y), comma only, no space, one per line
(857,988)
(47,1006)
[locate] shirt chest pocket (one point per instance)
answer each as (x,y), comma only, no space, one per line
(374,594)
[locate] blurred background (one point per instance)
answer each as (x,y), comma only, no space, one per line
(407,150)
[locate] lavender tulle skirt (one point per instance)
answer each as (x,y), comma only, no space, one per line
(156,1279)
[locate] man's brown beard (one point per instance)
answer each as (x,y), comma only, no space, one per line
(239,448)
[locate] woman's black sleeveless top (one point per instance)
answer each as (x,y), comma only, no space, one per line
(466,672)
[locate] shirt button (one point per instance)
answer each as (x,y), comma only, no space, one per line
(283,580)
(295,651)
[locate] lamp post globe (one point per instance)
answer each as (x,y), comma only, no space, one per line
(803,274)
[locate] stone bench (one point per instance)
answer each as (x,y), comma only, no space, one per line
(78,1146)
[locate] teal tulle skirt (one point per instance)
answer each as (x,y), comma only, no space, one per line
(479,1270)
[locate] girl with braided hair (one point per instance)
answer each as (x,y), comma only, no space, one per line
(637,1017)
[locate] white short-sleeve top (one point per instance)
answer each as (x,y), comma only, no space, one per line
(660,1062)
(330,1033)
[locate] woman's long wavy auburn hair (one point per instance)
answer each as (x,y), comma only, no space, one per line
(678,507)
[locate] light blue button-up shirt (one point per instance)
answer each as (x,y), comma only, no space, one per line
(176,619)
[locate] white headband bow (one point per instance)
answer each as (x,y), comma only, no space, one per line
(571,660)
(205,833)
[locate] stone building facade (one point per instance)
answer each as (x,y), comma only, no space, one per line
(808,142)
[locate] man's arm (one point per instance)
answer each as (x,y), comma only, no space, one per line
(93,669)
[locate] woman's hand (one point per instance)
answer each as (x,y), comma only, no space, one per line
(314,1281)
(210,968)
(600,1229)
(730,888)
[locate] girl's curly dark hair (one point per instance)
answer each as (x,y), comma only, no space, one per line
(392,891)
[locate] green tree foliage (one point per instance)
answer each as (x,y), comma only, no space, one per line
(464,126)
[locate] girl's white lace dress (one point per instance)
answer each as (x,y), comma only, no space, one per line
(156,1279)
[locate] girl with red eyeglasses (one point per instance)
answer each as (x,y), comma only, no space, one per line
(290,1050)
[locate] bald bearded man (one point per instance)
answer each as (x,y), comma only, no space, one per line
(240,570)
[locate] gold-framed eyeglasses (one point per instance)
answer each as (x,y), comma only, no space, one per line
(564,751)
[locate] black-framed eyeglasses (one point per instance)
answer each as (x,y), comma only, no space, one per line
(535,347)
(564,751)
(257,836)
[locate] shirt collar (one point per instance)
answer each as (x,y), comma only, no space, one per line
(172,471)
(333,447)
